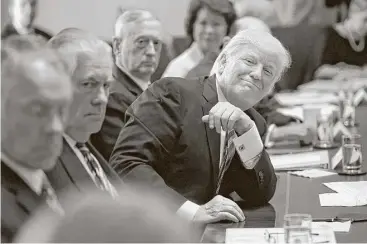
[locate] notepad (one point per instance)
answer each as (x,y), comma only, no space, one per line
(297,161)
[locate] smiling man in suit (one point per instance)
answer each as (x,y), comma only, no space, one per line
(201,138)
(35,96)
(89,61)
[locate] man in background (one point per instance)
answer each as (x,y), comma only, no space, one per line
(136,47)
(89,62)
(35,96)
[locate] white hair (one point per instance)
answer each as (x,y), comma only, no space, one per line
(75,46)
(129,17)
(261,40)
(249,22)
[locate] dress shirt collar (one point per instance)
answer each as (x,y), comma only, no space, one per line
(221,97)
(32,177)
(141,83)
(70,140)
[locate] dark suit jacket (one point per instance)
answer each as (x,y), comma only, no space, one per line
(18,202)
(123,94)
(165,144)
(70,174)
(204,67)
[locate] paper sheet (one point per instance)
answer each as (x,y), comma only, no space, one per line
(313,173)
(348,194)
(299,98)
(295,112)
(335,226)
(315,159)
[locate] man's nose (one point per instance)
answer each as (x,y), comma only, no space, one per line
(256,74)
(101,96)
(150,49)
(56,125)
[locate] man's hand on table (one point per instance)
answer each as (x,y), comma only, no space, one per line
(219,209)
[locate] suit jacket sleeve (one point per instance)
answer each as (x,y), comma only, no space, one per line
(256,186)
(152,126)
(106,138)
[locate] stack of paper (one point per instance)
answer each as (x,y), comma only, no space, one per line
(348,194)
(313,173)
(297,161)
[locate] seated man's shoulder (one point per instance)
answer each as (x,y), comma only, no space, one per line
(178,85)
(258,119)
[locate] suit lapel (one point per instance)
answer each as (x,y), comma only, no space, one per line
(25,197)
(74,167)
(210,98)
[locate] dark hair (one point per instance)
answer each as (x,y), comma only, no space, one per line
(222,7)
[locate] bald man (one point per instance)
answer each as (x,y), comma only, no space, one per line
(35,96)
(137,46)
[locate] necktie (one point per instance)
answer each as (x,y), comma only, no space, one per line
(98,176)
(49,196)
(228,152)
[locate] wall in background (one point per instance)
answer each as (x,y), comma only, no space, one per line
(98,16)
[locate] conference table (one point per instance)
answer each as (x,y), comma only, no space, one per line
(296,194)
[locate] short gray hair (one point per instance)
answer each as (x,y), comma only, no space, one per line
(257,39)
(76,45)
(131,17)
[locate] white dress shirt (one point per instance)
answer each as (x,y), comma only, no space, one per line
(182,64)
(32,177)
(248,146)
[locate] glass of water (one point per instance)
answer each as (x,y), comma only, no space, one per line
(352,154)
(297,228)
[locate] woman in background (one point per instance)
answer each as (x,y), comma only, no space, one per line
(208,22)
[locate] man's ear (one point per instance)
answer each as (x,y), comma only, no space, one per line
(222,62)
(116,42)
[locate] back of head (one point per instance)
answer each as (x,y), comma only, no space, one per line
(137,216)
(75,46)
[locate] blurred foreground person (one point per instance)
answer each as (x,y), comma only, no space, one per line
(89,61)
(136,217)
(22,14)
(200,139)
(35,96)
(137,47)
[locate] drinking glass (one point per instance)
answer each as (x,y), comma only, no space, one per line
(352,154)
(297,228)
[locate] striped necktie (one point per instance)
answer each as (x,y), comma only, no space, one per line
(98,175)
(49,196)
(228,153)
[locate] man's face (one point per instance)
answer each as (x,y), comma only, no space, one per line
(140,49)
(24,12)
(92,80)
(248,76)
(34,114)
(209,30)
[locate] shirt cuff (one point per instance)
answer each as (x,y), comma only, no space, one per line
(249,146)
(188,210)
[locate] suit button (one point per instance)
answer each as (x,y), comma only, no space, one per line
(241,147)
(261,176)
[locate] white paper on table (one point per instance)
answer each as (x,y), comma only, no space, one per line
(348,187)
(338,157)
(341,200)
(335,226)
(315,159)
(313,173)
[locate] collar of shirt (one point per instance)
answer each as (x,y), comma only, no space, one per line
(32,177)
(141,83)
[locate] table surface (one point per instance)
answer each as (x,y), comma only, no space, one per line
(301,195)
